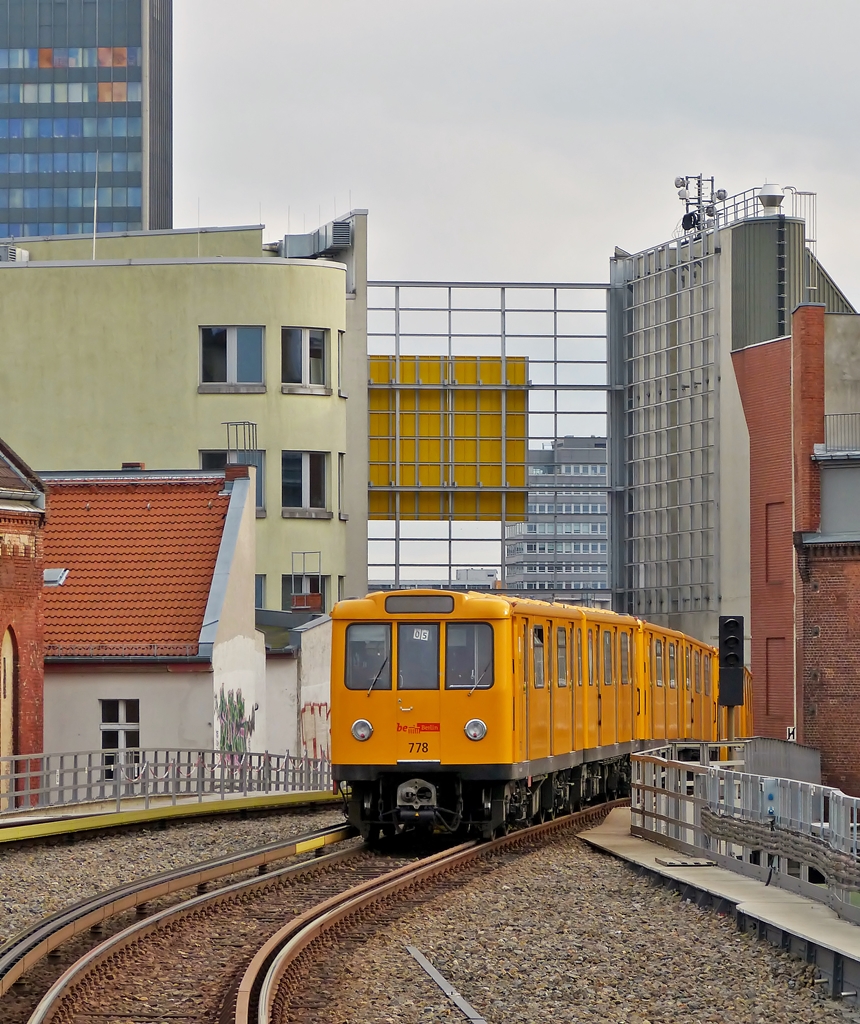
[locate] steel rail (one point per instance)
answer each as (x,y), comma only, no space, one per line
(75,974)
(259,986)
(24,950)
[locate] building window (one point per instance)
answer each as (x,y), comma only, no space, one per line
(341,457)
(260,590)
(231,355)
(303,356)
(305,593)
(120,729)
(215,461)
(303,480)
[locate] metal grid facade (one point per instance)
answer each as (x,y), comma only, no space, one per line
(669,359)
(532,355)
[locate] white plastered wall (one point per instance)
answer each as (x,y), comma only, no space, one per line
(175,707)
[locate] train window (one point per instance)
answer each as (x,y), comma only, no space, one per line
(579,657)
(368,656)
(708,675)
(590,658)
(658,662)
(688,662)
(698,670)
(561,655)
(625,659)
(608,637)
(468,656)
(673,648)
(537,641)
(418,656)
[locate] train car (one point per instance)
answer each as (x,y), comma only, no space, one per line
(474,712)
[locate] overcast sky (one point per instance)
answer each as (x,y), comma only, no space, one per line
(498,140)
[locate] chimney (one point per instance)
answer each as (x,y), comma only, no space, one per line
(233,471)
(133,467)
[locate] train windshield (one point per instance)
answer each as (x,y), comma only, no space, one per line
(368,656)
(468,656)
(418,656)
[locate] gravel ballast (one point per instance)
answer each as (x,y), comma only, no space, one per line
(40,880)
(566,934)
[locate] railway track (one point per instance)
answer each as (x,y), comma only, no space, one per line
(55,942)
(249,952)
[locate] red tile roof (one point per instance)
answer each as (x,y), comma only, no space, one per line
(140,556)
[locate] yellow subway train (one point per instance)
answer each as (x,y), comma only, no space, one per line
(471,712)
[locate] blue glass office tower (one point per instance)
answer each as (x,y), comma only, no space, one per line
(86,131)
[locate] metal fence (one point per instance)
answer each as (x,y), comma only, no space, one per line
(797,835)
(106,776)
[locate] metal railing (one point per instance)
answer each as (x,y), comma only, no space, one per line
(794,834)
(842,432)
(121,776)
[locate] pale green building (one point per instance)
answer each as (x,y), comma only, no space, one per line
(142,350)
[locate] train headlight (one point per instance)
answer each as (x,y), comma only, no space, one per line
(362,729)
(475,729)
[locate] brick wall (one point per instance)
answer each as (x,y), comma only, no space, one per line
(830,642)
(764,378)
(21,565)
(807,337)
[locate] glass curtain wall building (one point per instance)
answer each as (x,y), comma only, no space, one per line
(85,116)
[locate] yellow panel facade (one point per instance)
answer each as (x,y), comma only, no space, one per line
(458,427)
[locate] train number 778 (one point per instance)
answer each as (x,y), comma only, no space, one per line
(419,748)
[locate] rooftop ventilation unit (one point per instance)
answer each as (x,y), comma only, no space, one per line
(13,254)
(330,238)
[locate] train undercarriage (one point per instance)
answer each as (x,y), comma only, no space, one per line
(445,802)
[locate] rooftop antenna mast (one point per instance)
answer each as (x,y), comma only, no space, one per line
(700,199)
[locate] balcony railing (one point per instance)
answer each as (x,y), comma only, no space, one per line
(842,432)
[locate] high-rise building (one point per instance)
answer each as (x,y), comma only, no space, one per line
(564,543)
(86,132)
(730,279)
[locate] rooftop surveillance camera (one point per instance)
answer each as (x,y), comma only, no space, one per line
(683,193)
(721,195)
(710,211)
(680,182)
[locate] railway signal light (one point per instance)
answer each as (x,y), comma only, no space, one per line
(731,660)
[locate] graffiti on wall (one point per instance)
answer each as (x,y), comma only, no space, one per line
(316,731)
(235,727)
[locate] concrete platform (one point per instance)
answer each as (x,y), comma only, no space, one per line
(796,923)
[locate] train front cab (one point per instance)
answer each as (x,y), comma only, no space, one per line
(422,707)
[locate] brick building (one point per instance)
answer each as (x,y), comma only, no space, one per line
(801,400)
(22,519)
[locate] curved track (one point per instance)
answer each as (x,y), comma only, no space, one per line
(215,958)
(46,937)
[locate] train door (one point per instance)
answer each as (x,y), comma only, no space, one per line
(658,686)
(522,698)
(642,701)
(578,675)
(689,712)
(539,696)
(608,690)
(561,717)
(710,699)
(698,720)
(625,686)
(591,689)
(672,722)
(418,694)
